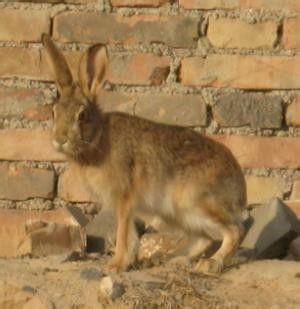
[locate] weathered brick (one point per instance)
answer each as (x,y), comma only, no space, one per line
(293,113)
(139,3)
(56,1)
(263,189)
(31,63)
(21,183)
(296,190)
(135,69)
(231,33)
(15,102)
(129,69)
(20,62)
(139,69)
(178,31)
(40,113)
(72,187)
(291,29)
(207,5)
(256,110)
(249,72)
(232,4)
(23,25)
(273,152)
(188,110)
(116,101)
(26,144)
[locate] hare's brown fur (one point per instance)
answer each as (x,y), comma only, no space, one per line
(133,164)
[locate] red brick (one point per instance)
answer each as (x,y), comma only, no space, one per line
(40,113)
(71,187)
(21,183)
(135,69)
(236,71)
(272,152)
(292,5)
(296,190)
(178,31)
(263,189)
(186,110)
(14,102)
(23,25)
(139,3)
(291,29)
(293,113)
(26,144)
(231,33)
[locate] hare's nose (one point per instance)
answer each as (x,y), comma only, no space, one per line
(59,144)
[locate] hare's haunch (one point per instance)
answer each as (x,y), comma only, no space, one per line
(136,165)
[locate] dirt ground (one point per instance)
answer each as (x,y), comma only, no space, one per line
(54,283)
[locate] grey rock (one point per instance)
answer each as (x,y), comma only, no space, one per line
(272,229)
(294,249)
(91,274)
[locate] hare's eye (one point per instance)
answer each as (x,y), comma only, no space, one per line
(83,115)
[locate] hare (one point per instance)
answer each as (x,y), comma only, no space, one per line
(137,165)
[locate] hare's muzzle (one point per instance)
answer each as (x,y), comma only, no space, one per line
(60,146)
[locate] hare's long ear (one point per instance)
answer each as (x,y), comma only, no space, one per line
(60,67)
(93,69)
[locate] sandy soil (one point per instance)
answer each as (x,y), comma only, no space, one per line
(54,283)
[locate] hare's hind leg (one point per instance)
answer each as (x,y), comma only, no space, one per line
(199,247)
(232,235)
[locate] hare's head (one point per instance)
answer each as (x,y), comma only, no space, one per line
(77,119)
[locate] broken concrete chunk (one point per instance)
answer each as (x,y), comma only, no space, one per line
(273,227)
(101,231)
(159,244)
(38,233)
(111,288)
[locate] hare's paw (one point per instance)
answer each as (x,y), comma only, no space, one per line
(180,261)
(209,267)
(117,265)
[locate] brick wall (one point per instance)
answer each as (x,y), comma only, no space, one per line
(230,69)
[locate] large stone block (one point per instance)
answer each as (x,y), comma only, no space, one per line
(41,233)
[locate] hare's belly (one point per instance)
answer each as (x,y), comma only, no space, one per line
(156,201)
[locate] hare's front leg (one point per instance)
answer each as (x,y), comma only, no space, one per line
(126,239)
